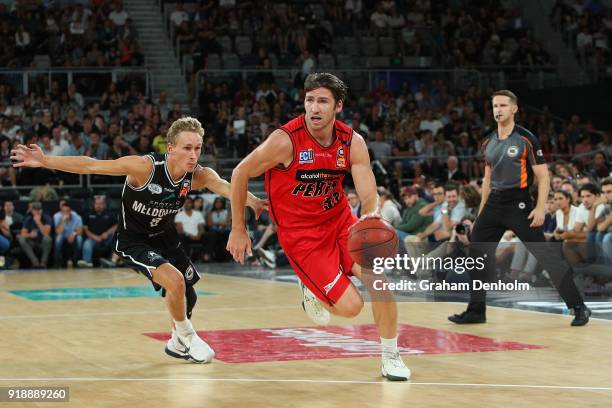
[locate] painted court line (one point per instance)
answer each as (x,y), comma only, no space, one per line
(146,312)
(309,381)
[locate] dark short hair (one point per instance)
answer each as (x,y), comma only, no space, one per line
(325,80)
(606,181)
(508,93)
(591,188)
(451,187)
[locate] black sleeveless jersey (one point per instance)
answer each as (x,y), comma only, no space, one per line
(151,208)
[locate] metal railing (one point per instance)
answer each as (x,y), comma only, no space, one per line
(23,80)
(358,79)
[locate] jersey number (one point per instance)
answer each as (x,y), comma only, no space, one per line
(155,221)
(331,201)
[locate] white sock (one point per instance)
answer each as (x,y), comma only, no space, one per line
(183,326)
(389,344)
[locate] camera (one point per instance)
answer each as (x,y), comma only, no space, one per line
(460,229)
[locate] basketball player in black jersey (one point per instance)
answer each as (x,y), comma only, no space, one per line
(154,191)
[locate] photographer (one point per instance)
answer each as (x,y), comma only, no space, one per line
(456,246)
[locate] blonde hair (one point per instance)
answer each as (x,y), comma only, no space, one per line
(184,124)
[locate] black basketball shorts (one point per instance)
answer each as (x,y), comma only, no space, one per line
(144,253)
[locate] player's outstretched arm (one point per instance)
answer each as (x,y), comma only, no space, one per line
(276,149)
(33,156)
(365,182)
(205,177)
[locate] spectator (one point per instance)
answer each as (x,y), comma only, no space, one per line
(380,148)
(433,209)
(604,226)
(238,134)
(219,222)
(190,227)
(179,15)
(471,197)
(565,214)
(389,209)
(453,173)
(36,235)
(97,148)
(379,18)
(209,153)
(118,16)
(453,210)
(354,202)
(412,222)
(68,233)
(99,227)
(13,218)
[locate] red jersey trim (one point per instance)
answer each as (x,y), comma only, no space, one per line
(279,168)
(334,129)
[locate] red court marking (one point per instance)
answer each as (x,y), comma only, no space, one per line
(323,342)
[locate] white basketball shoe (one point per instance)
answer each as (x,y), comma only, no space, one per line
(393,367)
(313,307)
(189,347)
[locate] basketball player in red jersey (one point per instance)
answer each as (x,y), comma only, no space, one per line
(305,162)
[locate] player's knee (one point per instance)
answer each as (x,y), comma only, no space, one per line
(352,307)
(176,286)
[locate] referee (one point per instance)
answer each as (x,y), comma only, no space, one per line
(513,157)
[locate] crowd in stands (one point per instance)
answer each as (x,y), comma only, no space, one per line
(38,33)
(586,27)
(55,233)
(265,35)
(423,137)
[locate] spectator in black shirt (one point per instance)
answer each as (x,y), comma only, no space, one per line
(99,229)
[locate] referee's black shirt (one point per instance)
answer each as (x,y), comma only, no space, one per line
(511,158)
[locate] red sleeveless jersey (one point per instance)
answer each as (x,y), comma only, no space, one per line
(309,191)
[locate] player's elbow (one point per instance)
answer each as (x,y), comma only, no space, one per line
(240,172)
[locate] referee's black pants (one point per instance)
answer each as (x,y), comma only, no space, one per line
(508,210)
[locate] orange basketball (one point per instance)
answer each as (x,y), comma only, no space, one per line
(372,238)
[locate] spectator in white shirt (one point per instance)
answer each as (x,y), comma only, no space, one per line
(190,224)
(179,15)
(379,18)
(118,16)
(389,209)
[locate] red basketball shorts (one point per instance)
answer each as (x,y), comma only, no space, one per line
(319,255)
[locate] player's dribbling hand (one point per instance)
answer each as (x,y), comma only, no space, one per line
(537,217)
(238,244)
(27,156)
(370,215)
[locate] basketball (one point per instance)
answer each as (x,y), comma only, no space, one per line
(372,238)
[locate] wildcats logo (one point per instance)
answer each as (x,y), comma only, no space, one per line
(340,159)
(185,189)
(306,156)
(316,189)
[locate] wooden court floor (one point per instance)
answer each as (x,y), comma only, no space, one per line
(98,348)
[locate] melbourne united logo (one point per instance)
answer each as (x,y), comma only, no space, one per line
(513,151)
(190,272)
(155,188)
